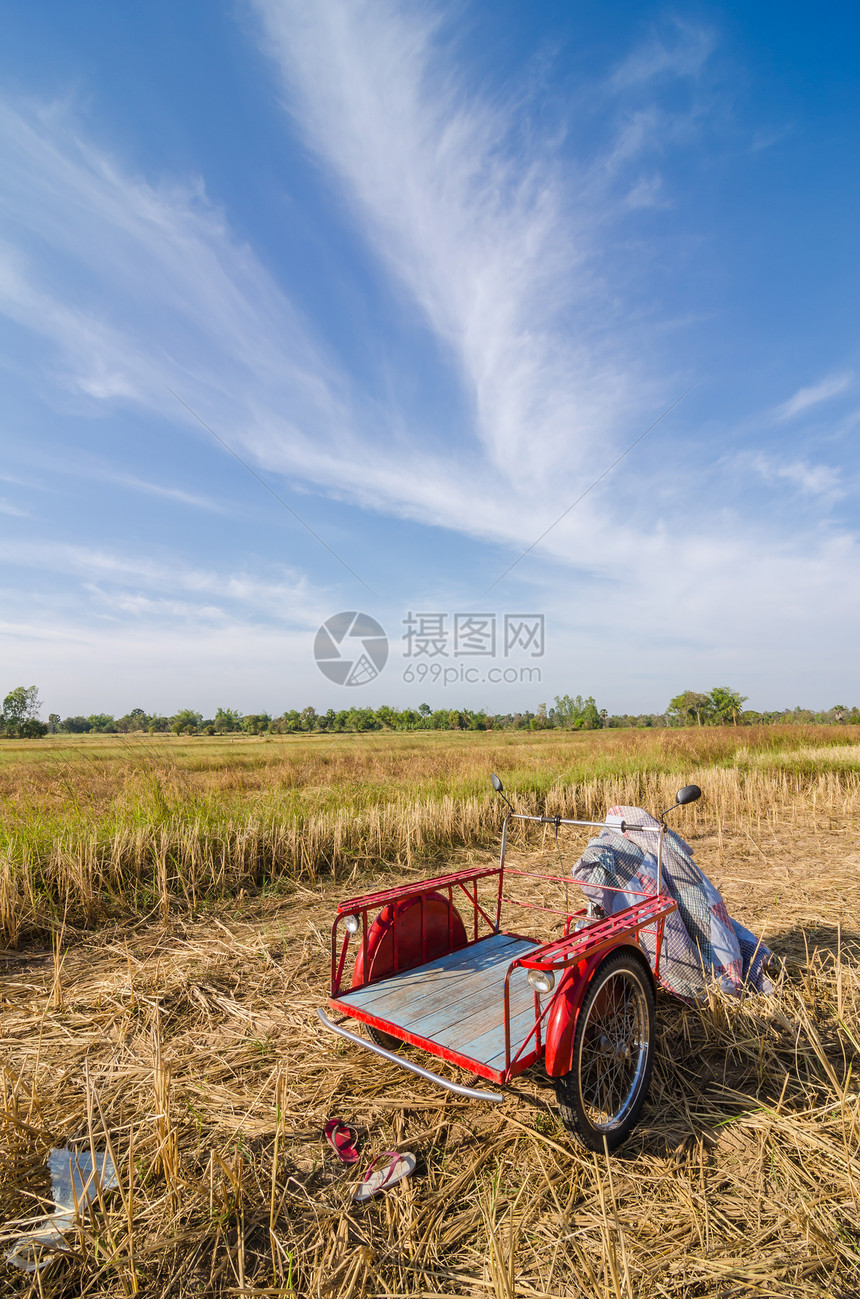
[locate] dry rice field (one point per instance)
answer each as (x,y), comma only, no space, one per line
(157,993)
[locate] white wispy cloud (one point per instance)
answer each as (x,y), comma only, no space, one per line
(496,246)
(477,222)
(818,480)
(805,398)
(136,287)
(681,51)
(140,285)
(18,481)
(123,579)
(63,468)
(178,494)
(158,608)
(646,192)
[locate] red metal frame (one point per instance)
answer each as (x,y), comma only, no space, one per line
(419,890)
(593,940)
(576,947)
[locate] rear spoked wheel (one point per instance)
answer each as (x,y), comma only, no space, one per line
(603,1094)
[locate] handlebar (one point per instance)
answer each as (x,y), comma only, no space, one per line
(611,823)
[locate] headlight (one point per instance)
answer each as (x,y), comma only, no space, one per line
(352,924)
(542,980)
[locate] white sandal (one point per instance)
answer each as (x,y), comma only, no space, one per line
(386,1175)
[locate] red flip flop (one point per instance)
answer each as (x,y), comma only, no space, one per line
(342,1138)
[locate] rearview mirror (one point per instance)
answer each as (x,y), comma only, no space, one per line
(688,794)
(497,784)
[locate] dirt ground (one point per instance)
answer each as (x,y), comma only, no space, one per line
(193,1047)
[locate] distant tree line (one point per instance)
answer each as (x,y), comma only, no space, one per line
(721,706)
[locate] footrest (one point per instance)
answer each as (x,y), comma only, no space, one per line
(461,1090)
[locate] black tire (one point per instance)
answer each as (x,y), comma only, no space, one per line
(383,1039)
(602,1096)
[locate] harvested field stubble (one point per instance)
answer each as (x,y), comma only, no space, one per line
(106,828)
(190,1046)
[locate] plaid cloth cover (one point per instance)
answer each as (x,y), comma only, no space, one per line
(701,941)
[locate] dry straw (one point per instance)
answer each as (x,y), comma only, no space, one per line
(187,1046)
(149,831)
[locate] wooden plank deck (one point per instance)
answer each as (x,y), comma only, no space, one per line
(458,1000)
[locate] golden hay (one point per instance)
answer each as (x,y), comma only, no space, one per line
(98,831)
(187,1043)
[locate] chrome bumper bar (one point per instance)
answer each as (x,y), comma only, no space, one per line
(471,1092)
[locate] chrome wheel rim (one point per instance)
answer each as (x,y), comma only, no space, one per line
(613,1051)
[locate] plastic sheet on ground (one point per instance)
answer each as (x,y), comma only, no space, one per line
(75,1186)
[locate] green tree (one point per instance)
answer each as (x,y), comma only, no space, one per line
(542,721)
(257,723)
(136,720)
(590,715)
(576,713)
(725,705)
(20,715)
(186,722)
(567,711)
(228,720)
(689,707)
(75,725)
(102,723)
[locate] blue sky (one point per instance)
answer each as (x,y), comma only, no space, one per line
(428,270)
